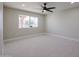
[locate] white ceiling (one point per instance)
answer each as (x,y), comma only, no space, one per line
(36,6)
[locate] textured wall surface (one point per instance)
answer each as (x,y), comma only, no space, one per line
(64,23)
(11,20)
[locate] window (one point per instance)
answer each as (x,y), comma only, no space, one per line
(27,21)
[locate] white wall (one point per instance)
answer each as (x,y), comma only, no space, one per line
(64,23)
(1,28)
(11,20)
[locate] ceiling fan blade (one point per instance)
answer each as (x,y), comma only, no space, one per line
(42,6)
(51,8)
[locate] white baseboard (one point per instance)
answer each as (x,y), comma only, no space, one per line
(39,34)
(64,37)
(23,37)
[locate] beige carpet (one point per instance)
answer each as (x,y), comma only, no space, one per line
(42,46)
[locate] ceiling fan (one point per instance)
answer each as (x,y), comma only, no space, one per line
(45,8)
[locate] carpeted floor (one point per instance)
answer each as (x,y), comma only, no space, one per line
(42,46)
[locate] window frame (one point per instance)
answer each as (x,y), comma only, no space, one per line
(20,25)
